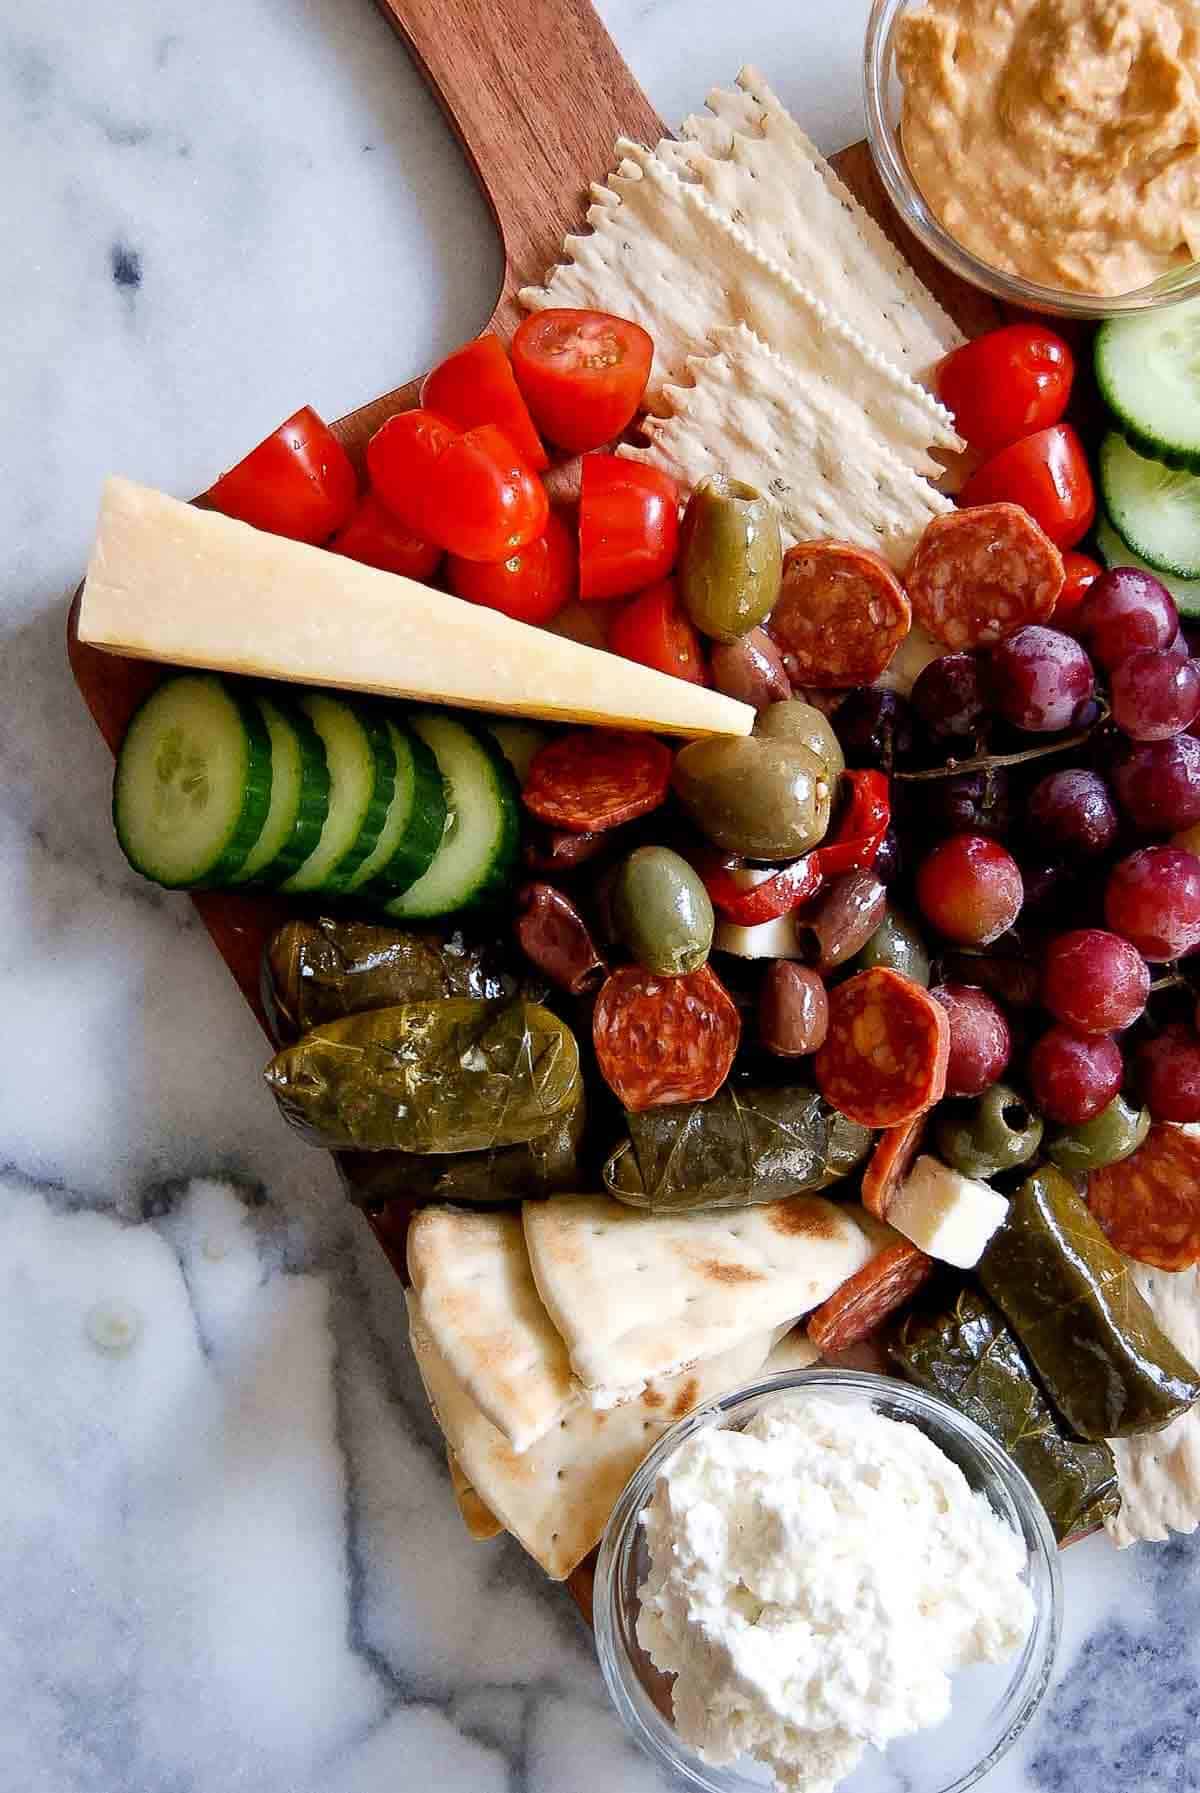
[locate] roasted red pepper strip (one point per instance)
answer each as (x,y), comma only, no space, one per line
(748,905)
(864,822)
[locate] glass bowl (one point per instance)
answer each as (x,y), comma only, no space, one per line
(882,95)
(992,1703)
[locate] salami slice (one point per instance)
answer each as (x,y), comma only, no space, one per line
(664,1039)
(1149,1203)
(594,779)
(885,1054)
(979,575)
(862,1304)
(840,615)
(890,1163)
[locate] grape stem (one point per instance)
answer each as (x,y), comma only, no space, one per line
(1174,980)
(987,762)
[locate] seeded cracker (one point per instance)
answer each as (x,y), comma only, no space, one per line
(1158,1473)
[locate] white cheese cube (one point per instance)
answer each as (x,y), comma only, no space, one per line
(950,1216)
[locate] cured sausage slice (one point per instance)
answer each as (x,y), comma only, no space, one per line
(664,1039)
(840,616)
(885,1055)
(1149,1203)
(890,1163)
(597,778)
(862,1304)
(979,575)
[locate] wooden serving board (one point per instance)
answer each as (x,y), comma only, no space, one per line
(537,95)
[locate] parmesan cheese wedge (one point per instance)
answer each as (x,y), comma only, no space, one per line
(169,582)
(949,1216)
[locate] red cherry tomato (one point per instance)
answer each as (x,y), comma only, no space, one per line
(298,482)
(652,628)
(373,536)
(1047,473)
(1006,384)
(533,584)
(628,526)
(583,374)
(475,385)
(1080,572)
(470,491)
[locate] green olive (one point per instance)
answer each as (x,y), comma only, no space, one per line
(795,720)
(730,558)
(662,912)
(897,945)
(767,799)
(1108,1137)
(994,1132)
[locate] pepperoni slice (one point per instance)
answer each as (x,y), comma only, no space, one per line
(890,1163)
(840,615)
(862,1304)
(1149,1203)
(979,575)
(596,778)
(664,1039)
(885,1054)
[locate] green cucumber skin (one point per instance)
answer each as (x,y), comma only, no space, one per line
(1184,458)
(384,758)
(1114,551)
(423,837)
(1126,504)
(496,880)
(314,797)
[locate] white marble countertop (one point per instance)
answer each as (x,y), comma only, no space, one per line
(228,1554)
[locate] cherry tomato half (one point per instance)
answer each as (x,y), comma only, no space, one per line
(1047,473)
(583,374)
(1080,572)
(654,629)
(533,584)
(373,536)
(628,526)
(298,482)
(470,491)
(475,385)
(1006,384)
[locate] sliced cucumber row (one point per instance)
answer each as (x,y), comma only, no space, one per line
(1155,509)
(478,854)
(1116,553)
(1148,370)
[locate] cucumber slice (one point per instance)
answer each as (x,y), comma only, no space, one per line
(415,822)
(518,742)
(1116,553)
(299,794)
(1154,509)
(1148,369)
(193,782)
(362,777)
(476,860)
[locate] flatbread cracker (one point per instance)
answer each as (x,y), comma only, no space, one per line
(481,1305)
(1158,1473)
(637,1295)
(792,432)
(661,254)
(479,1519)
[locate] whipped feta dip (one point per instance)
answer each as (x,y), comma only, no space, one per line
(815,1579)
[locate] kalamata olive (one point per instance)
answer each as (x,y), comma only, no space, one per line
(662,912)
(799,721)
(980,1040)
(1115,1133)
(750,670)
(897,945)
(767,799)
(995,1132)
(730,558)
(554,935)
(793,1010)
(875,728)
(554,850)
(845,917)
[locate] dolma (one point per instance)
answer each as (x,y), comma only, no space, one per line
(1104,1360)
(745,1145)
(547,1165)
(963,1351)
(452,1076)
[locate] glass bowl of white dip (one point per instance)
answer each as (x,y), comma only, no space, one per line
(992,1703)
(883,96)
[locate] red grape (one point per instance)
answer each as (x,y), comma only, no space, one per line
(970,888)
(969,803)
(1168,1069)
(980,1041)
(1124,610)
(1074,810)
(1094,981)
(948,696)
(1155,694)
(1153,898)
(874,728)
(1051,887)
(1039,678)
(1073,1075)
(1158,783)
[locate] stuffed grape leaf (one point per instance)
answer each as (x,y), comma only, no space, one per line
(547,1165)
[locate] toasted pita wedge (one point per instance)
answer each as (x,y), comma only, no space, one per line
(479,1520)
(1158,1473)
